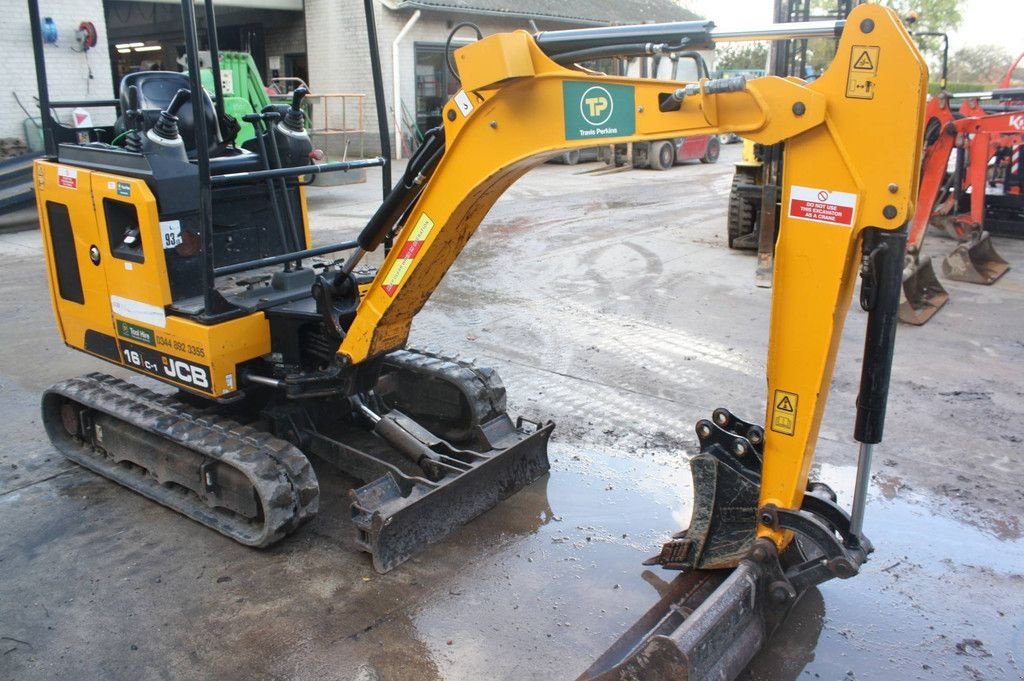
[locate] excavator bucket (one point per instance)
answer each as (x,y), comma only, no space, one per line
(735,589)
(975,262)
(922,294)
(708,624)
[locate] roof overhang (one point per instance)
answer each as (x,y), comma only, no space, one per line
(508,14)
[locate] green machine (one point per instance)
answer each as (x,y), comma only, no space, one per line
(243,90)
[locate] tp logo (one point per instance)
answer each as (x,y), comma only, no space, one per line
(596,105)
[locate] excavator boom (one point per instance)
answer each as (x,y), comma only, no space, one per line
(144,243)
(852,163)
(852,160)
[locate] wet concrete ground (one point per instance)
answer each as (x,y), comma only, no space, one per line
(611,305)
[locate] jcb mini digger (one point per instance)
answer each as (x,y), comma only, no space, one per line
(187,259)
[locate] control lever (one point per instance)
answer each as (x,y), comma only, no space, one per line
(295,119)
(133,121)
(167,125)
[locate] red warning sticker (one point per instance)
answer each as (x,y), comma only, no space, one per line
(67,177)
(822,205)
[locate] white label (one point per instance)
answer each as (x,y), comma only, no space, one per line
(138,312)
(170,233)
(67,177)
(462,100)
(82,118)
(821,205)
(128,266)
(227,82)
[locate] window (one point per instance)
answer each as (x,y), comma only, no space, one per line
(434,85)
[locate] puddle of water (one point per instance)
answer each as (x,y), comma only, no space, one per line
(934,586)
(546,603)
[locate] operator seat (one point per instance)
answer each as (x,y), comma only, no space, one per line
(156,89)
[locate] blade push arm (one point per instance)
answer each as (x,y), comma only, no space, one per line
(853,141)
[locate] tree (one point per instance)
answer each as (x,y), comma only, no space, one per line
(741,56)
(980,64)
(939,16)
(931,16)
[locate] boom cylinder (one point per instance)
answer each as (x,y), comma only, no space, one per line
(694,35)
(880,296)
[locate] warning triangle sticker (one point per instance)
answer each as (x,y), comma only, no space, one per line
(784,404)
(864,62)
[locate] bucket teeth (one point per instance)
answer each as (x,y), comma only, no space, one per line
(726,490)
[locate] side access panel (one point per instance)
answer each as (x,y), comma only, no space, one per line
(78,287)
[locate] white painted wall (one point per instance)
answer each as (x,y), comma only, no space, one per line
(67,70)
(339,58)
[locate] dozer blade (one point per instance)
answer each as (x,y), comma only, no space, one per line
(975,262)
(708,625)
(398,515)
(922,294)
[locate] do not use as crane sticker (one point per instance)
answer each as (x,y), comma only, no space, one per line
(822,205)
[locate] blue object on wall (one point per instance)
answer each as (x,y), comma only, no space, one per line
(49,30)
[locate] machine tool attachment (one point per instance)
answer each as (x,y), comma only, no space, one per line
(922,295)
(975,261)
(735,588)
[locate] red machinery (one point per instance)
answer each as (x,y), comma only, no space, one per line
(988,158)
(1007,80)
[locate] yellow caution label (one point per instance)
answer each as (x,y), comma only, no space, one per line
(407,254)
(784,410)
(860,83)
(422,229)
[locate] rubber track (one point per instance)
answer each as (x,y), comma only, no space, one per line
(740,217)
(282,476)
(482,387)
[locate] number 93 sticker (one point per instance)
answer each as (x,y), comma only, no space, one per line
(170,233)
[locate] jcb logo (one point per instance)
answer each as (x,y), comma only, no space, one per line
(1017,122)
(596,105)
(186,373)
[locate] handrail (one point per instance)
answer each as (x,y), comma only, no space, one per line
(297,171)
(284,257)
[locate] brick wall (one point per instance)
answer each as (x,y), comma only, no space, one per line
(285,37)
(67,70)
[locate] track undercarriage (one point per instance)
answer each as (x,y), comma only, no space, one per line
(450,454)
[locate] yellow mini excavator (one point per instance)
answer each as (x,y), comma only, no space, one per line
(177,254)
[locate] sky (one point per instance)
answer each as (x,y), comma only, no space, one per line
(994,22)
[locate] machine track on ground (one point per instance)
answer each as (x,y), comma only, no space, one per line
(741,220)
(449,395)
(242,482)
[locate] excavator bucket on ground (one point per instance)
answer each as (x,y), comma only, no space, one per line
(922,294)
(975,261)
(689,634)
(711,620)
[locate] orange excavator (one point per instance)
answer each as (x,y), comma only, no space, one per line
(987,168)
